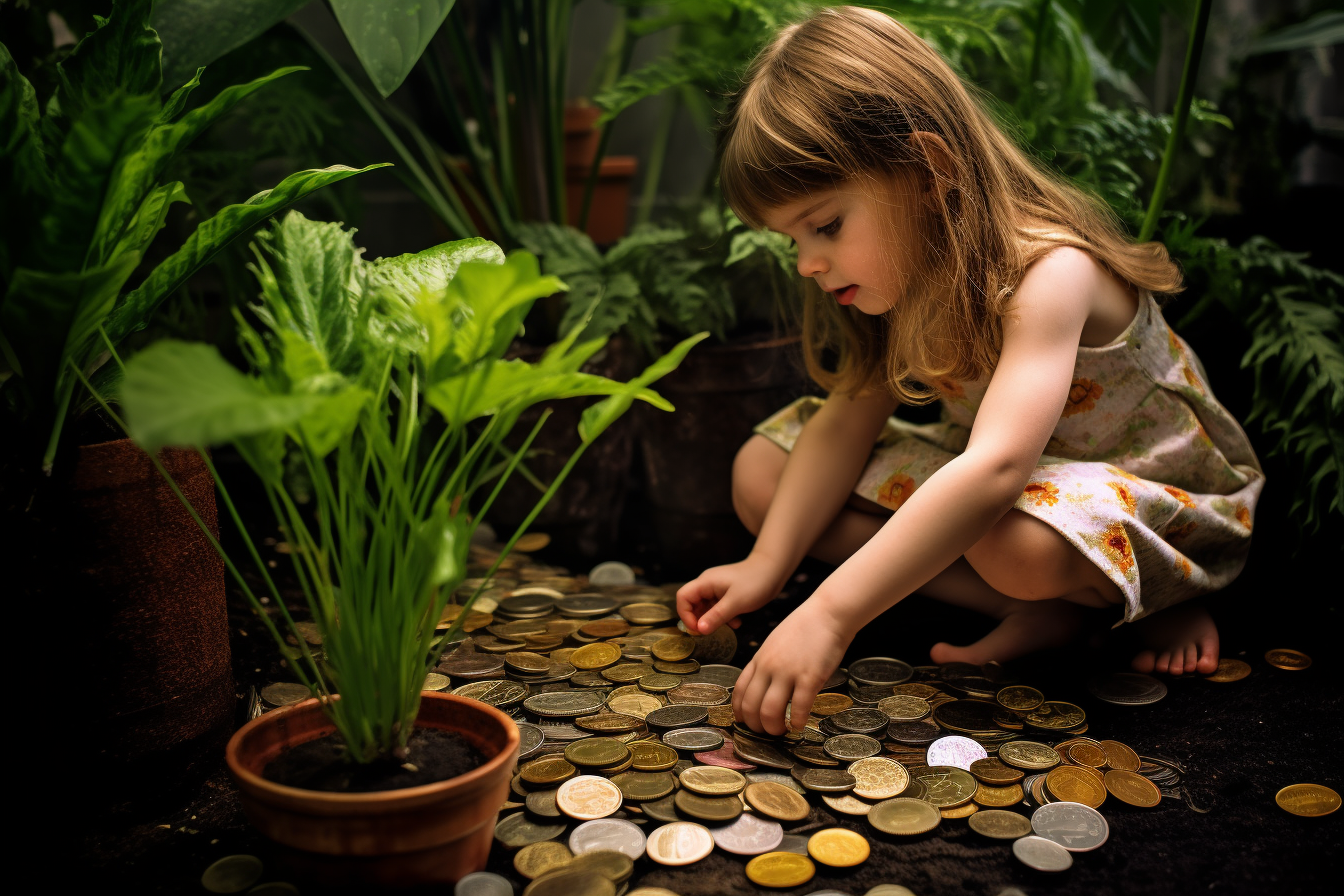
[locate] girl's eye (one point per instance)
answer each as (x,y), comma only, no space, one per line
(830,229)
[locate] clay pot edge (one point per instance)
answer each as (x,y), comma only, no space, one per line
(264,788)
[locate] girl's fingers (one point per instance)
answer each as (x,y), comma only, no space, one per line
(803,698)
(735,622)
(772,706)
(740,690)
(751,701)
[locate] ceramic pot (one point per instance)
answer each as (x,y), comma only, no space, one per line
(431,834)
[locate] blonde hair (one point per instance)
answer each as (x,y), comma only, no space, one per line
(834,99)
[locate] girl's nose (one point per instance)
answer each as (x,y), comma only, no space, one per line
(810,264)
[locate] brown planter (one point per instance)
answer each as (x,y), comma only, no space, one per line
(720,393)
(152,607)
(431,834)
(584,515)
(607,217)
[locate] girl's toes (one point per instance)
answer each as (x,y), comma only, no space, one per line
(1144,662)
(1163,661)
(1177,664)
(1191,657)
(1208,661)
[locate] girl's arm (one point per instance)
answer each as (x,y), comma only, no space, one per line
(953,510)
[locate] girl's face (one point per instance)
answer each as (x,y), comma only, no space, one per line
(863,243)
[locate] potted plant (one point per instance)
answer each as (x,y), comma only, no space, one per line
(387,383)
(84,189)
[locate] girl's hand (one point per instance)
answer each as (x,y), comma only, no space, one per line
(723,593)
(791,666)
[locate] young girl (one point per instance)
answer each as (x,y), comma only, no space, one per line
(1082,460)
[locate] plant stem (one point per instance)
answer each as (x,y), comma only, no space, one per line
(1182,112)
(1038,42)
(657,155)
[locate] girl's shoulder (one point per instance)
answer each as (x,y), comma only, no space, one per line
(1070,281)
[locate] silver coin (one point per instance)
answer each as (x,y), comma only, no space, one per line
(676,715)
(564,703)
(880,670)
(1127,688)
(232,874)
(499,694)
(1075,827)
(483,883)
(1041,854)
(664,809)
(559,732)
(696,740)
(748,835)
(958,752)
(526,605)
(860,721)
(283,693)
(716,648)
(716,673)
(586,606)
(851,746)
(794,843)
(607,833)
(612,572)
(530,739)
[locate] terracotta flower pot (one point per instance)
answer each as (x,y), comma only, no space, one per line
(434,833)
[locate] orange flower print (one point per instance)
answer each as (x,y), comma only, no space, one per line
(950,389)
(1115,545)
(1173,343)
(1083,396)
(1183,566)
(1190,377)
(1125,495)
(1179,494)
(1181,531)
(1041,493)
(1244,515)
(895,491)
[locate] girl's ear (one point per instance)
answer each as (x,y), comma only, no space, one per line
(941,165)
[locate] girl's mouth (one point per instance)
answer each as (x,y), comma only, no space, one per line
(846,296)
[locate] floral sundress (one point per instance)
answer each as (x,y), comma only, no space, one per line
(1146,473)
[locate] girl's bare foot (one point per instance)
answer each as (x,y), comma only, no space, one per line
(1180,640)
(1027,626)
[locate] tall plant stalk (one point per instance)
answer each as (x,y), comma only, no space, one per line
(1189,73)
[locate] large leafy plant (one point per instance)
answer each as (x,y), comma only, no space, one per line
(389,382)
(83,191)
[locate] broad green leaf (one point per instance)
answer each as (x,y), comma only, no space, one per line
(332,419)
(173,106)
(307,287)
(597,418)
(148,219)
(138,172)
(197,32)
(19,115)
(1324,29)
(434,268)
(121,57)
(24,175)
(46,316)
(389,35)
(212,236)
(497,385)
(185,393)
(481,300)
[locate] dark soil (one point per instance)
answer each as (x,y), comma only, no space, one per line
(324,764)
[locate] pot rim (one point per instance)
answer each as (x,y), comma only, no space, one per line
(249,778)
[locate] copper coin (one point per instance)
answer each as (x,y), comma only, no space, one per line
(761,753)
(777,801)
(1088,754)
(992,771)
(1307,800)
(1229,670)
(1132,788)
(1071,784)
(830,704)
(1119,756)
(699,694)
(998,797)
(1284,658)
(725,757)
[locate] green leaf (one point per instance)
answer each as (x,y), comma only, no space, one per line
(1324,29)
(119,57)
(598,417)
(46,317)
(483,306)
(498,386)
(138,172)
(197,32)
(434,268)
(148,220)
(389,35)
(185,393)
(210,237)
(332,419)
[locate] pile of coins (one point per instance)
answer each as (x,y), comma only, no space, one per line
(629,747)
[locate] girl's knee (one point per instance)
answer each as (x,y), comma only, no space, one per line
(1027,559)
(756,472)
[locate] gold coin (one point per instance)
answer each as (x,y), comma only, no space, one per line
(628,672)
(838,847)
(597,752)
(1073,784)
(993,772)
(1056,715)
(1000,825)
(712,780)
(998,797)
(1132,788)
(673,648)
(527,661)
(1229,670)
(1120,757)
(847,803)
(595,656)
(605,628)
(1283,658)
(1088,754)
(588,797)
(1029,755)
(945,786)
(963,811)
(570,882)
(653,757)
(878,778)
(283,693)
(830,704)
(1019,698)
(435,681)
(777,801)
(535,859)
(676,668)
(916,689)
(637,705)
(532,541)
(708,808)
(548,771)
(613,865)
(721,716)
(1307,800)
(904,708)
(780,869)
(659,682)
(644,786)
(613,722)
(647,613)
(904,816)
